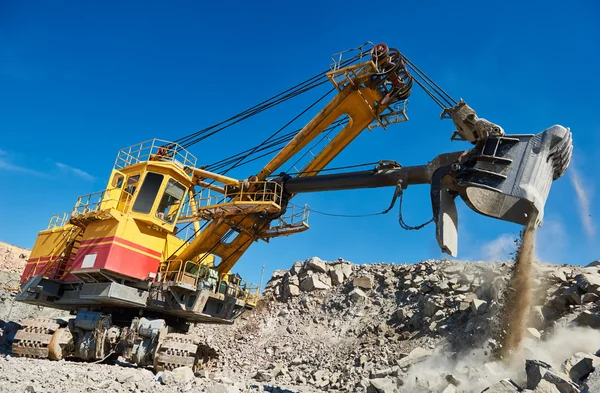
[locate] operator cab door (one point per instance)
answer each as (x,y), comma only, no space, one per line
(158,200)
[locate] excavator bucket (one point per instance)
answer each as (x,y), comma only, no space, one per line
(507,177)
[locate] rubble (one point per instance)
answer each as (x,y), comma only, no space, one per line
(335,326)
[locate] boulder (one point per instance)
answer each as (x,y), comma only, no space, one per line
(178,376)
(533,333)
(346,269)
(293,290)
(573,295)
(296,268)
(363,282)
(535,370)
(312,283)
(561,383)
(430,307)
(478,306)
(590,298)
(317,265)
(580,365)
(545,387)
(415,356)
(382,385)
(357,295)
(589,283)
(587,318)
(337,275)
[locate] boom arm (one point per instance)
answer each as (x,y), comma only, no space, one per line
(503,176)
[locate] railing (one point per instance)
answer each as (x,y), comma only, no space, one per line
(115,198)
(189,273)
(154,149)
(249,197)
(59,220)
(395,113)
(358,53)
(295,216)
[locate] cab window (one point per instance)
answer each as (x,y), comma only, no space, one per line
(147,194)
(170,201)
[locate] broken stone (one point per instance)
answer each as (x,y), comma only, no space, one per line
(430,307)
(580,365)
(357,295)
(296,268)
(177,376)
(383,385)
(534,333)
(317,265)
(588,283)
(572,295)
(415,356)
(562,384)
(293,290)
(263,376)
(590,298)
(535,370)
(478,306)
(504,386)
(587,318)
(337,276)
(312,283)
(363,282)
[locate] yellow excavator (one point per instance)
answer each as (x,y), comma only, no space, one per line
(134,278)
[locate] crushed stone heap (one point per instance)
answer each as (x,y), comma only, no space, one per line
(340,327)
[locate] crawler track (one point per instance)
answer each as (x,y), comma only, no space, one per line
(33,338)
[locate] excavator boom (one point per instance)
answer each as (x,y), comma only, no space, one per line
(135,279)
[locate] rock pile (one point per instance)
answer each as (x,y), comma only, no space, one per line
(421,328)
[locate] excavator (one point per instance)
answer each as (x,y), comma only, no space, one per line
(135,280)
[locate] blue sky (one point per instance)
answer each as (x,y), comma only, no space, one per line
(79,80)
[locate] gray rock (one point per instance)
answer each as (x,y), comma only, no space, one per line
(587,318)
(263,376)
(312,283)
(317,265)
(504,386)
(593,264)
(478,306)
(337,275)
(545,387)
(588,282)
(177,376)
(580,365)
(347,270)
(562,384)
(217,388)
(357,295)
(537,316)
(573,295)
(363,282)
(535,371)
(450,389)
(293,290)
(533,333)
(383,385)
(430,307)
(415,356)
(296,268)
(590,298)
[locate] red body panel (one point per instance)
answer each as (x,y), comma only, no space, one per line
(132,261)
